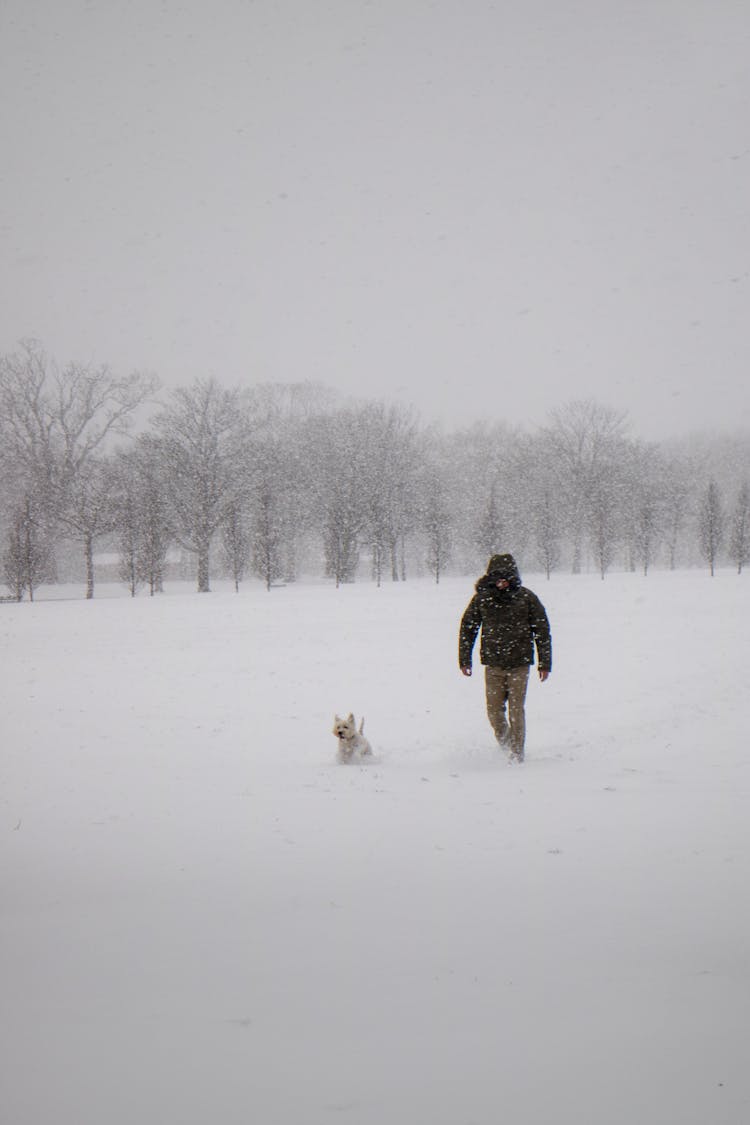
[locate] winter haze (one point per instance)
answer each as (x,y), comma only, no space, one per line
(485,209)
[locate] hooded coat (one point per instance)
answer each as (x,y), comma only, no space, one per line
(513,621)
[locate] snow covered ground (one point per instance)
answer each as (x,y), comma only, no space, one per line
(206,919)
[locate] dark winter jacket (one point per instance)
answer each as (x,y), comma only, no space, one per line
(512,621)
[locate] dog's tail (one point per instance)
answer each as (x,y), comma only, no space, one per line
(362,726)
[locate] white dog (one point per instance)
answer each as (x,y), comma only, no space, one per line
(352,742)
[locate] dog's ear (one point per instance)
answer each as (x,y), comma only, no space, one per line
(351,717)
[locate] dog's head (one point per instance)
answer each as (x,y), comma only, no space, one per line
(345,729)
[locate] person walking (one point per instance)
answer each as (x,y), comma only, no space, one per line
(513,622)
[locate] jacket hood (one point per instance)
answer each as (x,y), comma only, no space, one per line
(500,566)
(503,566)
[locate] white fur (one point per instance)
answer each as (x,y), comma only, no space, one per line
(352,742)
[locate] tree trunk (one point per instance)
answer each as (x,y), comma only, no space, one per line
(88,548)
(576,555)
(29,558)
(203,571)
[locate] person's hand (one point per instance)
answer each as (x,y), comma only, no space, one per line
(543,674)
(466,671)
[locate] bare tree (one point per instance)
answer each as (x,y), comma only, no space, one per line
(392,445)
(156,521)
(490,529)
(56,423)
(126,516)
(27,560)
(341,532)
(31,442)
(486,490)
(584,442)
(142,521)
(711,524)
(739,541)
(58,419)
(678,487)
(436,519)
(129,571)
(437,528)
(235,543)
(89,511)
(204,438)
(602,523)
(267,539)
(643,503)
(342,486)
(646,528)
(546,532)
(282,502)
(275,505)
(275,510)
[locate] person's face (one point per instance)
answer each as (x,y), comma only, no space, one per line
(502,584)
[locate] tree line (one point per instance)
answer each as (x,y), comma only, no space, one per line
(281,480)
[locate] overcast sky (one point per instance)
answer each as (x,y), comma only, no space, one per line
(483,208)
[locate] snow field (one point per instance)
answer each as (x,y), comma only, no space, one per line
(207,918)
